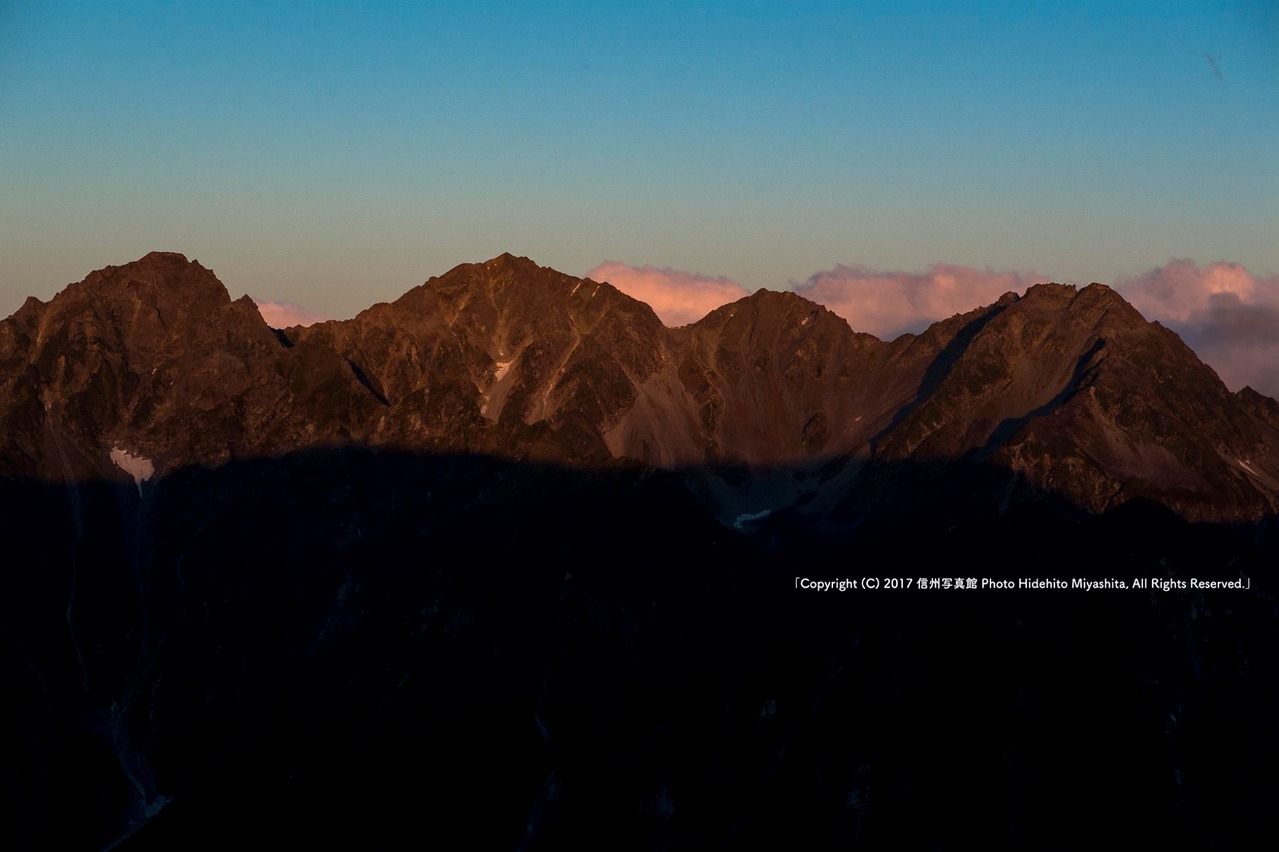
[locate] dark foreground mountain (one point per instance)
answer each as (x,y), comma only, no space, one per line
(495,559)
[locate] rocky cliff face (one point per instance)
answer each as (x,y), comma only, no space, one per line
(502,357)
(1068,392)
(496,561)
(154,360)
(1075,392)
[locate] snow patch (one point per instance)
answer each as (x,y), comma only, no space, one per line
(495,396)
(749,517)
(139,467)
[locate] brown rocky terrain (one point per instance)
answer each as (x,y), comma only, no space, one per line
(1068,391)
(508,560)
(154,359)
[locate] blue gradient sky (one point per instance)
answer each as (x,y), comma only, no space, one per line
(336,154)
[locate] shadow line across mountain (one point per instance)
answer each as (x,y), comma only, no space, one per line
(509,560)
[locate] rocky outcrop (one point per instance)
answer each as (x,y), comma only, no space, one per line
(1065,391)
(322,584)
(153,359)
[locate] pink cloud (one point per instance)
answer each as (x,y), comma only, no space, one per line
(1180,290)
(887,304)
(1229,316)
(286,314)
(677,297)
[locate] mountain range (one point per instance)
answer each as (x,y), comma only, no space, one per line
(508,561)
(1062,392)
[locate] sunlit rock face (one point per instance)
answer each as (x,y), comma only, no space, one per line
(1065,391)
(154,356)
(509,560)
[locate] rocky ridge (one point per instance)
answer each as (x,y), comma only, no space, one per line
(1068,392)
(507,559)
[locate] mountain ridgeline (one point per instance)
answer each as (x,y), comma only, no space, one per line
(508,561)
(1064,394)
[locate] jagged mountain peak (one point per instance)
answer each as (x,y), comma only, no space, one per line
(517,283)
(152,359)
(508,259)
(1094,300)
(505,355)
(1025,360)
(1250,397)
(1065,388)
(174,257)
(764,299)
(165,282)
(154,265)
(772,314)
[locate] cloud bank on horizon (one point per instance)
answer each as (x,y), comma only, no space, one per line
(678,298)
(1229,316)
(885,304)
(286,314)
(889,304)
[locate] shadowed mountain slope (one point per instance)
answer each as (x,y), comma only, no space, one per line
(508,560)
